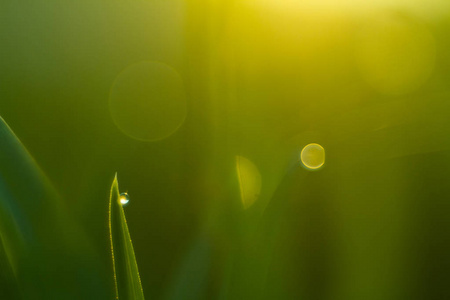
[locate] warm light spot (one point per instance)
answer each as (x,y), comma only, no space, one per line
(395,55)
(432,7)
(147,101)
(313,156)
(124,199)
(249,181)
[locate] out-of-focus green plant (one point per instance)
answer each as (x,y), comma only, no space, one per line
(44,254)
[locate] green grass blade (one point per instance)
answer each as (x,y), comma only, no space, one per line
(126,273)
(8,286)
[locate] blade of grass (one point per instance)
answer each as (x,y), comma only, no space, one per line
(126,273)
(8,286)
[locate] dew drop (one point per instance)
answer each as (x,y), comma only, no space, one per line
(124,198)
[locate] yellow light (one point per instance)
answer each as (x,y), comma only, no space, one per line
(313,156)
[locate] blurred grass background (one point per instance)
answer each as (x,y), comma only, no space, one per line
(260,80)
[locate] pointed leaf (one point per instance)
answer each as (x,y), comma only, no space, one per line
(126,273)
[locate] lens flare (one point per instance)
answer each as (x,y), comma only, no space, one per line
(313,156)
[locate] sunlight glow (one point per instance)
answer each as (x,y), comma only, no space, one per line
(431,7)
(395,54)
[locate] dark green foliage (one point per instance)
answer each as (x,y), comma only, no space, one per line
(44,253)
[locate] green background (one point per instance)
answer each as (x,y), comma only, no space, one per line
(261,81)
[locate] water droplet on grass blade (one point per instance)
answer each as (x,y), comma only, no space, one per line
(126,274)
(124,199)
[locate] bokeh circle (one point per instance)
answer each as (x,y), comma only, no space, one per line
(147,101)
(313,156)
